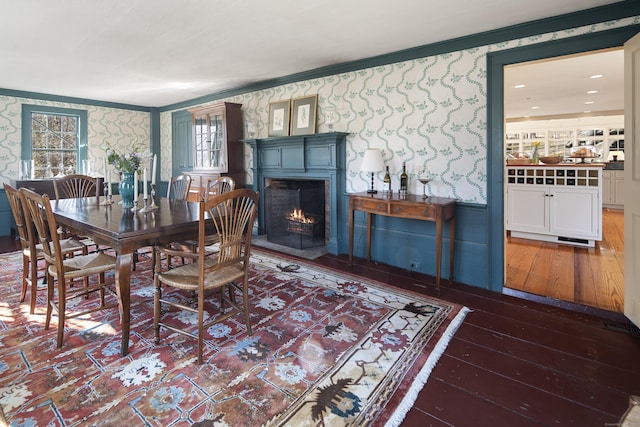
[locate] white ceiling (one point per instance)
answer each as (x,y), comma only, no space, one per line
(160,52)
(561,85)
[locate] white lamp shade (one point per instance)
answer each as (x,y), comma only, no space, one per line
(372,161)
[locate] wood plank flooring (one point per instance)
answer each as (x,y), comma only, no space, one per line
(589,276)
(516,362)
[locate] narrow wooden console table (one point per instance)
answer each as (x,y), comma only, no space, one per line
(412,206)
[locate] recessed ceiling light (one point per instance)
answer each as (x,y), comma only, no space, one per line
(596,76)
(587,111)
(592,91)
(589,102)
(519,86)
(534,108)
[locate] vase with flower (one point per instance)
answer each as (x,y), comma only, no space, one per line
(535,156)
(127,164)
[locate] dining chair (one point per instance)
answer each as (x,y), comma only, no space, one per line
(75,186)
(32,251)
(232,215)
(188,248)
(179,187)
(63,271)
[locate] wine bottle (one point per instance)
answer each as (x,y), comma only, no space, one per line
(387,181)
(404,178)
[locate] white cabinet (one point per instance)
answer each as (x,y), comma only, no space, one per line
(613,189)
(557,204)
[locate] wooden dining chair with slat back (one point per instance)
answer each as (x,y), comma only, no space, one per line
(31,250)
(77,186)
(188,248)
(232,215)
(63,271)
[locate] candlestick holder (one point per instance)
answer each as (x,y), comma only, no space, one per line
(145,206)
(152,204)
(107,197)
(135,205)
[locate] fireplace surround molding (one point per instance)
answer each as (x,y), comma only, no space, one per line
(306,157)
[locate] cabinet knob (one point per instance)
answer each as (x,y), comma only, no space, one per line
(399,209)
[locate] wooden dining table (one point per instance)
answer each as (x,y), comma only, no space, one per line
(125,232)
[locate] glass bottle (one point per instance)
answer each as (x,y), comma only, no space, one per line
(387,181)
(404,178)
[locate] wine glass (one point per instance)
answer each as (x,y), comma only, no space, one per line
(424,180)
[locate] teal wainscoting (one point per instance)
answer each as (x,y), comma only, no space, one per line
(6,216)
(410,244)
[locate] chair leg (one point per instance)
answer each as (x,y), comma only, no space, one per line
(245,302)
(50,292)
(25,272)
(200,325)
(102,280)
(156,308)
(62,310)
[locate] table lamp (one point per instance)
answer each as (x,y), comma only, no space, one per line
(372,162)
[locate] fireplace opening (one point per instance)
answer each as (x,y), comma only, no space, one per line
(295,213)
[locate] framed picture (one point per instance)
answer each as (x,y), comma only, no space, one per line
(303,116)
(279,115)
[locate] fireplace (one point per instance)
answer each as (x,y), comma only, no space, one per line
(294,213)
(317,157)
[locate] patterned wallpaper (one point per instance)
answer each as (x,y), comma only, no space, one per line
(118,127)
(429,112)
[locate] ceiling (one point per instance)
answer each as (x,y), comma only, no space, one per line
(161,52)
(566,85)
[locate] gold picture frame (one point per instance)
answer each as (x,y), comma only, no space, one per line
(303,115)
(279,118)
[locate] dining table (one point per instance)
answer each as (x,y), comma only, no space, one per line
(125,231)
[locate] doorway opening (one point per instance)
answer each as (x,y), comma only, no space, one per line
(561,108)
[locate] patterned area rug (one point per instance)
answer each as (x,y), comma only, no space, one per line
(327,349)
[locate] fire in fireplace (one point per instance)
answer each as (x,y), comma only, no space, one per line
(294,213)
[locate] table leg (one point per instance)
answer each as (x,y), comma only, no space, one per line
(351,213)
(368,236)
(452,243)
(438,252)
(123,288)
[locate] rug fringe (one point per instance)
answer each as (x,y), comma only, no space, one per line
(421,379)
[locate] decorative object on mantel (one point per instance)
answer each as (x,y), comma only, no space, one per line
(372,162)
(330,117)
(303,115)
(279,115)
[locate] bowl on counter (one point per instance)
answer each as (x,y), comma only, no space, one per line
(551,160)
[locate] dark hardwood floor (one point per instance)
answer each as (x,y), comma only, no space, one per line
(516,362)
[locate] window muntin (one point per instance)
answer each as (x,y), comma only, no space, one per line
(54,138)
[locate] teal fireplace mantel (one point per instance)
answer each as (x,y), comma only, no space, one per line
(313,157)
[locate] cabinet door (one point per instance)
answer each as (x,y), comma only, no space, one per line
(607,188)
(527,209)
(617,186)
(575,213)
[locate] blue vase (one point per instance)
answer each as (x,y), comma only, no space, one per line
(125,188)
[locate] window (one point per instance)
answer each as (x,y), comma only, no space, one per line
(54,138)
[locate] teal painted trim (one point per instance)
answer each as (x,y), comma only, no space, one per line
(83,140)
(495,119)
(155,134)
(71,100)
(606,13)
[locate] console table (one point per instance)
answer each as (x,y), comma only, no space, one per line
(437,209)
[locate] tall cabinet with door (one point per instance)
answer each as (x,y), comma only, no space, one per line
(217,150)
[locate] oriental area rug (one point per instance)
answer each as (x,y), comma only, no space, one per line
(327,349)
